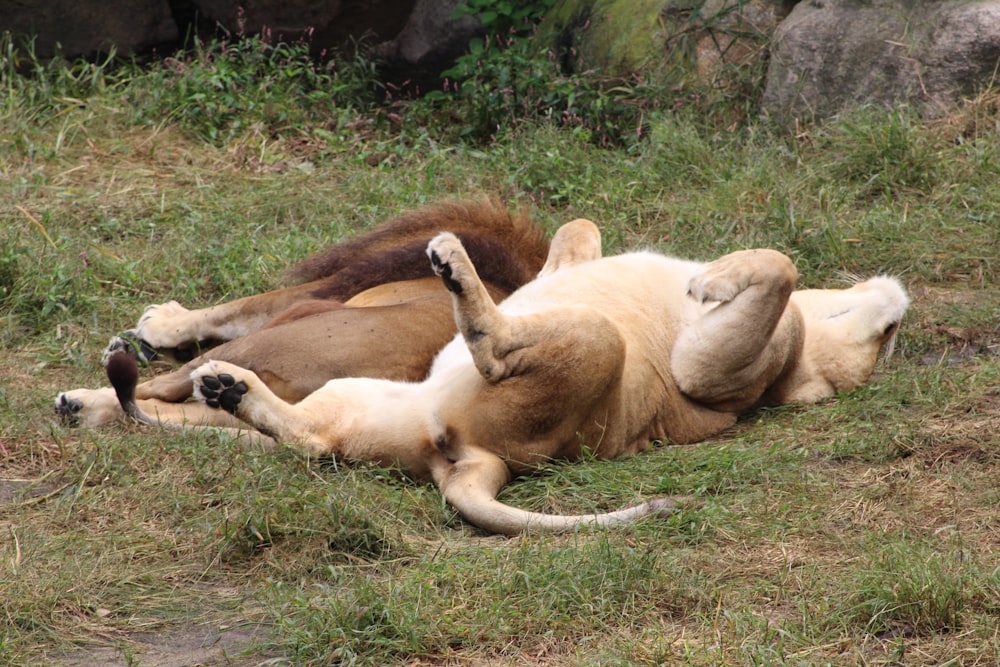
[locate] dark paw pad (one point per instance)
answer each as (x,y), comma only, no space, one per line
(223,391)
(68,409)
(444,270)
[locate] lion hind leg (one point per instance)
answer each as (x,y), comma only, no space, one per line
(198,418)
(574,243)
(362,419)
(497,342)
(471,484)
(123,373)
(485,330)
(742,333)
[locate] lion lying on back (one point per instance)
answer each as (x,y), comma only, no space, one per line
(368,306)
(602,354)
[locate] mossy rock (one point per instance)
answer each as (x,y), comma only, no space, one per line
(621,37)
(612,36)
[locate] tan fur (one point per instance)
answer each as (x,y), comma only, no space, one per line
(597,354)
(509,243)
(371,307)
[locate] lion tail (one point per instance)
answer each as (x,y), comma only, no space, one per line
(497,517)
(471,486)
(123,373)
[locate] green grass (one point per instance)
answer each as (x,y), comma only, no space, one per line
(858,531)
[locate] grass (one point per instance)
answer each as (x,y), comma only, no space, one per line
(858,531)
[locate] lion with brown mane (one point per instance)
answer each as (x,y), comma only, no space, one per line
(597,354)
(366,307)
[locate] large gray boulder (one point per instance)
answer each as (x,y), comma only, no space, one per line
(430,37)
(831,53)
(326,23)
(75,27)
(405,32)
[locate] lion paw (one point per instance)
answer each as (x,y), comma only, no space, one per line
(88,407)
(129,343)
(218,385)
(725,278)
(68,409)
(448,259)
(704,288)
(165,326)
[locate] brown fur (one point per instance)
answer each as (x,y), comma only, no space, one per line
(597,355)
(304,309)
(507,247)
(379,312)
(510,247)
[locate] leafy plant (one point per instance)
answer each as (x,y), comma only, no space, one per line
(504,16)
(220,89)
(36,91)
(509,76)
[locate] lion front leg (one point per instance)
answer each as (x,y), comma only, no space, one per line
(362,419)
(739,334)
(88,407)
(171,326)
(166,329)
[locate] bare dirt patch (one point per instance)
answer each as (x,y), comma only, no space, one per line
(15,491)
(201,646)
(962,324)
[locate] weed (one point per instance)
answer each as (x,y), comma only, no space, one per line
(221,89)
(48,89)
(883,154)
(510,76)
(460,600)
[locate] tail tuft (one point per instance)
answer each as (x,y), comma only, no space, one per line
(123,373)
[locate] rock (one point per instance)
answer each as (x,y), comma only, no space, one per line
(615,37)
(824,54)
(430,36)
(407,32)
(325,23)
(830,53)
(619,37)
(734,32)
(87,28)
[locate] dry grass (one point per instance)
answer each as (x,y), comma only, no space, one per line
(860,531)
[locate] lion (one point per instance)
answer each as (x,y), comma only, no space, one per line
(596,355)
(368,306)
